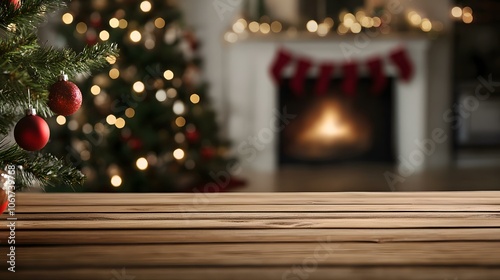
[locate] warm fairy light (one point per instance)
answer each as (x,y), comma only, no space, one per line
(168,75)
(180,121)
(377,22)
(138,87)
(426,25)
(159,23)
(95,89)
(111,59)
(323,29)
(348,20)
(178,154)
(360,15)
(99,127)
(146,6)
(123,23)
(467,18)
(104,35)
(81,28)
(194,98)
(87,128)
(265,28)
(150,44)
(73,125)
(130,113)
(456,12)
(114,23)
(415,18)
(142,163)
(254,26)
(276,27)
(179,137)
(178,107)
(67,18)
(171,93)
(467,10)
(329,21)
(238,27)
(356,27)
(120,123)
(231,37)
(111,119)
(135,36)
(116,181)
(114,73)
(366,22)
(161,95)
(61,120)
(342,29)
(312,26)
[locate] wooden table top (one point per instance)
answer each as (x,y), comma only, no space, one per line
(445,236)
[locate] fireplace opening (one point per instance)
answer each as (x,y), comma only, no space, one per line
(335,128)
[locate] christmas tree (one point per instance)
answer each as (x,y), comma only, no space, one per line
(148,126)
(32,82)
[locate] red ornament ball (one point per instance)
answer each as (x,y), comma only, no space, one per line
(15,3)
(32,132)
(65,98)
(208,152)
(193,136)
(3,200)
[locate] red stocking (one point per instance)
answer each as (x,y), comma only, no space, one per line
(325,75)
(349,85)
(279,64)
(402,61)
(379,80)
(298,80)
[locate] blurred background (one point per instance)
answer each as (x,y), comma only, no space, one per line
(275,95)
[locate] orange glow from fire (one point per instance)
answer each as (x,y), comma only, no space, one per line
(327,128)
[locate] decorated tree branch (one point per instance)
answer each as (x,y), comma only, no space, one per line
(35,85)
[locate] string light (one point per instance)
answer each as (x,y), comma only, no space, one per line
(238,27)
(323,29)
(171,93)
(111,59)
(114,23)
(265,28)
(87,128)
(142,163)
(230,37)
(130,113)
(161,95)
(111,119)
(180,121)
(114,73)
(159,23)
(81,27)
(276,26)
(178,154)
(135,36)
(67,18)
(61,120)
(329,22)
(73,125)
(95,89)
(168,75)
(348,20)
(194,98)
(456,12)
(178,107)
(179,138)
(120,123)
(138,86)
(104,35)
(356,27)
(312,26)
(426,25)
(116,181)
(254,26)
(123,23)
(146,6)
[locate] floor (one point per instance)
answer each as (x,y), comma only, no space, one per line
(377,178)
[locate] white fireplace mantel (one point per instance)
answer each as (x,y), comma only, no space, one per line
(252,94)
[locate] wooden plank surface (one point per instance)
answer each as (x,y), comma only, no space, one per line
(452,235)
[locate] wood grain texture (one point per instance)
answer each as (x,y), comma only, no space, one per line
(256,236)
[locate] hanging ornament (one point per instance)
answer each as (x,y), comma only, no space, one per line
(15,3)
(65,98)
(208,152)
(193,136)
(32,132)
(4,198)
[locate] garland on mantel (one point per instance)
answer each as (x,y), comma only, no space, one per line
(350,69)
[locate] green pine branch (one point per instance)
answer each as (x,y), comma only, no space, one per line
(29,15)
(39,169)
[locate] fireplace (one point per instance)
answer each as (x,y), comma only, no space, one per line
(252,96)
(335,128)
